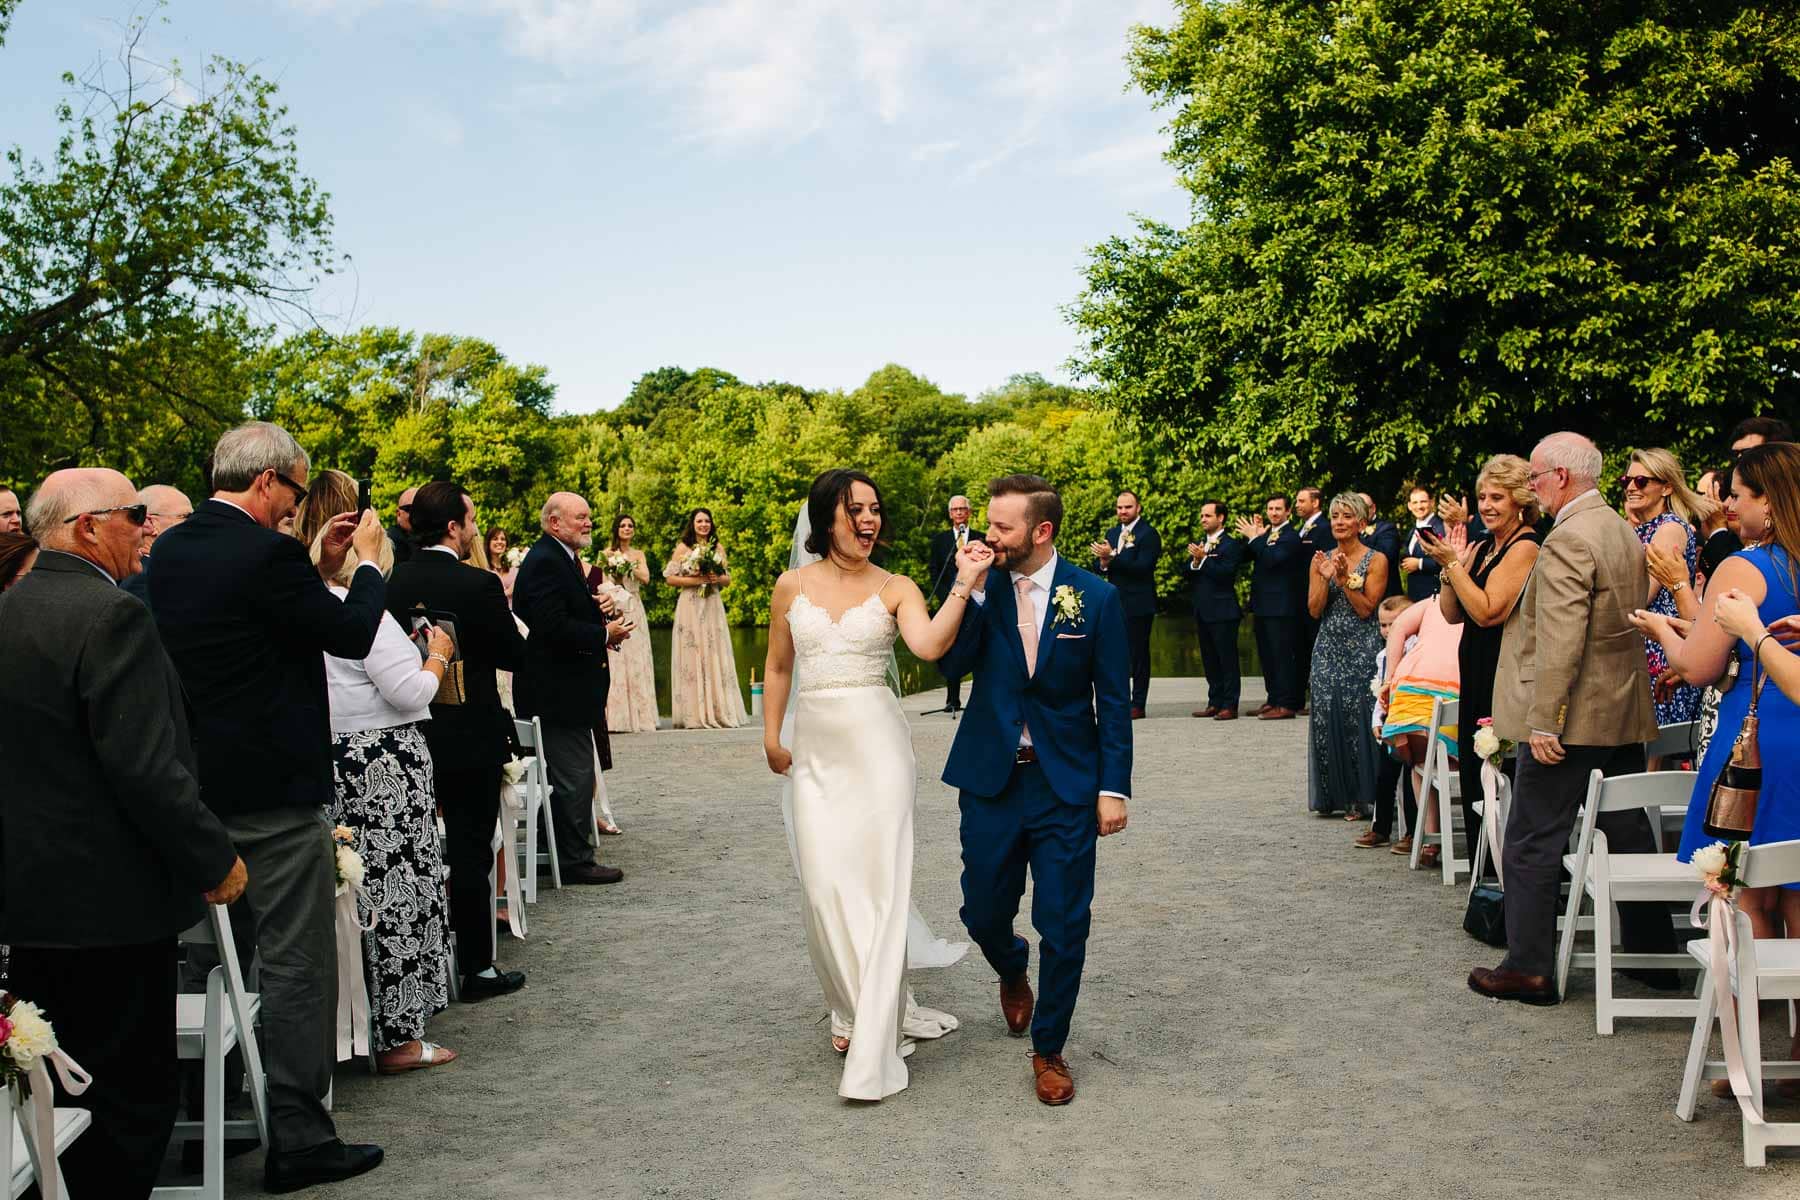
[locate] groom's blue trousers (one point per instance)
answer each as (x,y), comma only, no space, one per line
(1026,825)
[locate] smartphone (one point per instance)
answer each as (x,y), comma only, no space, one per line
(362,496)
(1427,534)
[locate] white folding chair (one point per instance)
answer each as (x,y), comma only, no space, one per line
(1608,879)
(1490,842)
(1440,785)
(206,1028)
(1765,969)
(22,1166)
(537,810)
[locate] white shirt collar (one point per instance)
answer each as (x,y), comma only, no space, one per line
(568,550)
(443,549)
(237,506)
(1127,528)
(1284,525)
(1573,500)
(1042,576)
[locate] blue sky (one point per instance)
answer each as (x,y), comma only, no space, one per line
(788,189)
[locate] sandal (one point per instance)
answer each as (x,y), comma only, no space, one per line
(840,1044)
(1351,814)
(430,1055)
(608,828)
(1429,856)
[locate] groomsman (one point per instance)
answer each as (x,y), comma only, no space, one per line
(1421,569)
(1315,536)
(944,545)
(1128,557)
(1383,536)
(1279,559)
(1212,585)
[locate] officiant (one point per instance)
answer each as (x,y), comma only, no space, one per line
(944,545)
(1127,556)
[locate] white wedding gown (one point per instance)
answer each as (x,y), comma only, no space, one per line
(851,789)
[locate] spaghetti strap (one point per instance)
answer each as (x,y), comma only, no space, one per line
(891,577)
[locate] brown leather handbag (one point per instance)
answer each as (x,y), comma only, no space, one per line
(1731,809)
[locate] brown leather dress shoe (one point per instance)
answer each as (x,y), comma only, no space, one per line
(1055,1085)
(1512,985)
(1016,1003)
(1275,713)
(1208,711)
(1226,714)
(592,873)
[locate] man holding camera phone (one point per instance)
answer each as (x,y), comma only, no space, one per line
(471,741)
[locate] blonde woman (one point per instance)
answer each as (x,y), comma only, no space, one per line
(1668,515)
(331,493)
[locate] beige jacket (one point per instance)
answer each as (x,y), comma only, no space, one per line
(1570,662)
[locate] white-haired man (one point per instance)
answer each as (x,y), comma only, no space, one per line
(563,679)
(165,507)
(944,547)
(1573,691)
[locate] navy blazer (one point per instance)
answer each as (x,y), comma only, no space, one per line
(1385,537)
(1318,538)
(1077,702)
(1278,573)
(248,622)
(1212,583)
(1424,582)
(562,676)
(1133,570)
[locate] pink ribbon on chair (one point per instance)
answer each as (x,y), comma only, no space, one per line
(36,1103)
(1490,817)
(353,993)
(1720,922)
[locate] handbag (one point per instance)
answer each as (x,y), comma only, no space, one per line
(450,690)
(1485,918)
(1731,808)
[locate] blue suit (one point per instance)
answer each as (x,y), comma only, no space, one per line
(1278,600)
(1039,815)
(1424,582)
(1212,587)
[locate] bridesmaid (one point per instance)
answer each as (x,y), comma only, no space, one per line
(497,543)
(702,673)
(631,705)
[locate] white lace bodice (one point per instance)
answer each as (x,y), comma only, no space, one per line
(852,651)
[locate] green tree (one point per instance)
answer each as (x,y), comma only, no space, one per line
(1424,232)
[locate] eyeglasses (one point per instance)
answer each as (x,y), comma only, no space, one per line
(299,492)
(1535,475)
(135,513)
(1640,482)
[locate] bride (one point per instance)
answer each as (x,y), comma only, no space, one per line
(850,768)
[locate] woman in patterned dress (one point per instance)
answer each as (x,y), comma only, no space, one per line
(382,771)
(1345,588)
(631,704)
(1666,512)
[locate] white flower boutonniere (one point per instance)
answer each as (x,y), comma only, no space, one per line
(1067,602)
(1355,581)
(1126,541)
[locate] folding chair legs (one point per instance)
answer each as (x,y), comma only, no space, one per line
(1695,1069)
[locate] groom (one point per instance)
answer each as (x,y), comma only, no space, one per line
(1043,760)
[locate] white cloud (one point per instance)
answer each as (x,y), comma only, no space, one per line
(931,150)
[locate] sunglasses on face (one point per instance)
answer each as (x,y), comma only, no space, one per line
(135,513)
(299,492)
(1640,482)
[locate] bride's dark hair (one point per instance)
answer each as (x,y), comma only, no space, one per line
(830,492)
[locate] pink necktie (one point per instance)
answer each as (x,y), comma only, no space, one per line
(1028,633)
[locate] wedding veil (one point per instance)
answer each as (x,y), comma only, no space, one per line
(923,947)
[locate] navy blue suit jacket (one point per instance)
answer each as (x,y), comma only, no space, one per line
(1318,538)
(1278,573)
(1212,585)
(1133,570)
(1077,702)
(562,676)
(1425,581)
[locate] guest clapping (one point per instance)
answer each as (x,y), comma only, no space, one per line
(247,620)
(109,852)
(1127,557)
(1666,512)
(381,767)
(1343,591)
(1278,587)
(702,670)
(1420,568)
(1213,564)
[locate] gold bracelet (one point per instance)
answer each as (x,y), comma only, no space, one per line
(959,595)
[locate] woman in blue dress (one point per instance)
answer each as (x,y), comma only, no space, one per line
(1766,498)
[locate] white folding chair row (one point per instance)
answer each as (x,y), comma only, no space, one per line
(22,1165)
(1608,879)
(207,1027)
(537,811)
(1765,969)
(1441,786)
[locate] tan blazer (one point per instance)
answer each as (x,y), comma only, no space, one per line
(1570,662)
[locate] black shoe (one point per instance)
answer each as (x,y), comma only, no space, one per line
(476,988)
(324,1163)
(192,1153)
(592,873)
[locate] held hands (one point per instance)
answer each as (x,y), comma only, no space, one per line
(1787,631)
(972,562)
(232,886)
(1111,814)
(780,759)
(1655,625)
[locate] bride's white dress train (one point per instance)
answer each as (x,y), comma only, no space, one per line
(851,792)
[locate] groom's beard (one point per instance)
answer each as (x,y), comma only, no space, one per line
(1006,557)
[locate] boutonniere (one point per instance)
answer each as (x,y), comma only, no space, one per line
(1067,602)
(1274,536)
(1126,541)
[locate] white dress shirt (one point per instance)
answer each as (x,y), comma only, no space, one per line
(1206,547)
(386,689)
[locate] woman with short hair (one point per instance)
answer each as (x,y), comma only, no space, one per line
(1344,589)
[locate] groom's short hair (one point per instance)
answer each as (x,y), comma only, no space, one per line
(1041,501)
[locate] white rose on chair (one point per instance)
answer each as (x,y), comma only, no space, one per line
(1710,860)
(347,862)
(25,1036)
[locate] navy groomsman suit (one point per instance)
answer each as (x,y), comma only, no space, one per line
(1133,571)
(1315,536)
(1212,588)
(1280,560)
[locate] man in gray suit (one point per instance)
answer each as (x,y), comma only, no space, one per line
(1573,691)
(108,851)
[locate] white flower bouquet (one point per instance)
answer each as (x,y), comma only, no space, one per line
(1717,866)
(617,564)
(514,557)
(346,860)
(25,1038)
(1490,745)
(703,560)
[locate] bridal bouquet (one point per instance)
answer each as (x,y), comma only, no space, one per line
(346,860)
(1491,745)
(25,1037)
(617,564)
(703,560)
(514,557)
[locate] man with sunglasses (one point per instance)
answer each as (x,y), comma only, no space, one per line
(164,508)
(400,533)
(247,619)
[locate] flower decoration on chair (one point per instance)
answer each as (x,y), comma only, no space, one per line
(1490,745)
(1717,866)
(25,1038)
(348,863)
(1067,602)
